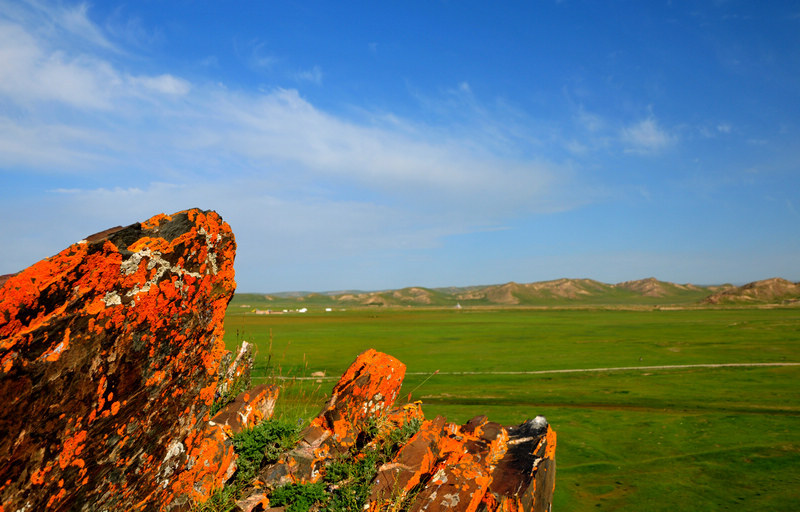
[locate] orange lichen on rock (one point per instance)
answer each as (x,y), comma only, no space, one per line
(93,343)
(524,478)
(413,461)
(72,447)
(366,390)
(466,458)
(210,462)
(248,409)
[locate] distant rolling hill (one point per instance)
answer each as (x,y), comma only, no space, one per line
(769,291)
(558,292)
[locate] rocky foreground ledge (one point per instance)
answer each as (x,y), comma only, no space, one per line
(480,465)
(111,358)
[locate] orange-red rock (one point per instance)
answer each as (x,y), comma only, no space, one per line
(467,457)
(207,462)
(109,361)
(481,465)
(247,410)
(366,390)
(413,462)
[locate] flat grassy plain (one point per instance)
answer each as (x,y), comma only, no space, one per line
(691,438)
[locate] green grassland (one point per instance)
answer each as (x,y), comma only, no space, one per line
(691,438)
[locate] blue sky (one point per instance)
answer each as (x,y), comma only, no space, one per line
(364,145)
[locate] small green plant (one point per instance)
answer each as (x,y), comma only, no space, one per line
(254,447)
(223,500)
(401,435)
(297,497)
(262,444)
(345,487)
(350,481)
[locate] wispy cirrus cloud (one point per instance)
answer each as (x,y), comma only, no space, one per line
(66,23)
(258,56)
(163,84)
(275,131)
(32,72)
(646,137)
(313,75)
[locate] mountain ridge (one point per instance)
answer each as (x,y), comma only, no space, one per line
(562,291)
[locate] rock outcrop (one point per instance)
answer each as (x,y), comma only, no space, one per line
(110,357)
(366,390)
(112,360)
(480,465)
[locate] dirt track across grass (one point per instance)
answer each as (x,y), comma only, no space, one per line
(575,370)
(617,369)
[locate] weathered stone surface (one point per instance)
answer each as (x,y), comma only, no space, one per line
(366,390)
(467,456)
(109,353)
(252,502)
(247,410)
(234,370)
(413,462)
(524,479)
(205,461)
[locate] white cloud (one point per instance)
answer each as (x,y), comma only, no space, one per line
(66,24)
(76,21)
(52,147)
(646,137)
(282,171)
(31,73)
(164,84)
(259,57)
(589,121)
(313,75)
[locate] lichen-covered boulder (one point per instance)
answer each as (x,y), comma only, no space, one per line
(247,410)
(479,466)
(366,391)
(413,462)
(110,354)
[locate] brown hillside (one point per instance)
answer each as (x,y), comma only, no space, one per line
(413,295)
(566,288)
(771,290)
(650,287)
(504,293)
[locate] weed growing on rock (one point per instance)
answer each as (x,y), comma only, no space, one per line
(348,479)
(297,497)
(255,447)
(262,444)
